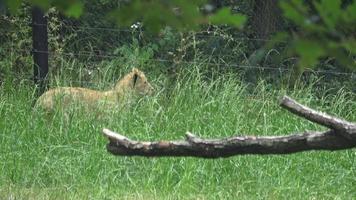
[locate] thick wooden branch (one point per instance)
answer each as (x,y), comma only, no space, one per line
(341,136)
(315,116)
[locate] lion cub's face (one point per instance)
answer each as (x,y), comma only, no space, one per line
(135,81)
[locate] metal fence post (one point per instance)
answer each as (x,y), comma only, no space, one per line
(40,48)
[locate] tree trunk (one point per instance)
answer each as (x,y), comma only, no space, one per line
(266,18)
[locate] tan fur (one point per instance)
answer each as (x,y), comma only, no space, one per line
(134,83)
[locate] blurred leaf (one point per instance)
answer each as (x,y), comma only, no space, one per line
(224,16)
(337,51)
(292,11)
(72,8)
(43,4)
(350,45)
(280,37)
(157,14)
(349,15)
(190,15)
(128,14)
(329,11)
(328,31)
(309,51)
(157,18)
(13,5)
(75,10)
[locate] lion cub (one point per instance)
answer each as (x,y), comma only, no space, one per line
(134,83)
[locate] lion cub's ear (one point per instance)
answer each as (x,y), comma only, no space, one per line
(135,78)
(135,70)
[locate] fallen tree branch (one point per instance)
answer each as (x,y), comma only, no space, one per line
(342,126)
(341,136)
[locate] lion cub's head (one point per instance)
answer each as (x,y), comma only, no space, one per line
(135,82)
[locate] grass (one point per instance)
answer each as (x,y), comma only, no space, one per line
(57,159)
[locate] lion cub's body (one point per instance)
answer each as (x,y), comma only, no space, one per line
(134,83)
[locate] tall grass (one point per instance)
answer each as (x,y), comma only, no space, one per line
(56,158)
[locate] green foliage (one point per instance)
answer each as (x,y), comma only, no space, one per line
(156,14)
(15,61)
(294,10)
(324,28)
(309,52)
(132,55)
(181,14)
(330,12)
(327,31)
(13,5)
(72,8)
(224,16)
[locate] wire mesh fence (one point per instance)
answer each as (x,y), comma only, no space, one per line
(100,56)
(113,56)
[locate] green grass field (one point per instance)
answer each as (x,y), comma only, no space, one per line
(54,158)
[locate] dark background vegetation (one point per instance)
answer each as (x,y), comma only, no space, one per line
(92,41)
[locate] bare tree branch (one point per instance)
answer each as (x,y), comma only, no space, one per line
(315,116)
(341,136)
